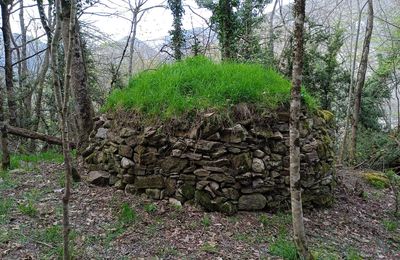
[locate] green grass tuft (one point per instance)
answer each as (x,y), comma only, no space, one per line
(127,215)
(284,248)
(6,205)
(198,84)
(28,209)
(150,208)
(390,225)
(206,221)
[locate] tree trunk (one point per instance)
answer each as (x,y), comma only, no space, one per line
(63,103)
(351,87)
(299,235)
(132,43)
(270,44)
(24,73)
(226,30)
(5,159)
(362,70)
(22,132)
(6,29)
(79,82)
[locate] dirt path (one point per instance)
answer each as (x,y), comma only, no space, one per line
(108,224)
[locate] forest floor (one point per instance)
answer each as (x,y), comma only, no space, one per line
(107,224)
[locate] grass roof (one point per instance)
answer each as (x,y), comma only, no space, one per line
(200,84)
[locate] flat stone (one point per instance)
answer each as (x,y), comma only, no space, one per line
(230,193)
(125,150)
(201,184)
(220,177)
(258,153)
(153,193)
(235,134)
(192,156)
(130,189)
(255,201)
(127,132)
(217,163)
(174,202)
(242,162)
(127,178)
(101,133)
(258,165)
(312,157)
(152,181)
(204,145)
(149,131)
(214,169)
(100,178)
(201,173)
(172,164)
(126,163)
(176,153)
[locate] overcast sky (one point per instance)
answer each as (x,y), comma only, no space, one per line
(155,24)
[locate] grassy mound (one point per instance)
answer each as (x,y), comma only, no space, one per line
(198,84)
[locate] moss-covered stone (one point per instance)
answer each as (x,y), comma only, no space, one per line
(376,179)
(203,198)
(188,191)
(228,208)
(326,115)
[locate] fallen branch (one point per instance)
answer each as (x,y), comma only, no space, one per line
(35,135)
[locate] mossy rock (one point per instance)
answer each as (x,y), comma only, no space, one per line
(188,191)
(326,115)
(377,180)
(228,208)
(203,198)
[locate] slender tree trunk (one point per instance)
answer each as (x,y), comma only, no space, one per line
(299,234)
(362,70)
(351,87)
(12,106)
(62,99)
(79,81)
(226,30)
(23,72)
(270,46)
(5,159)
(132,43)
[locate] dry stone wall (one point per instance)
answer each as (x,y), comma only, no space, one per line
(240,165)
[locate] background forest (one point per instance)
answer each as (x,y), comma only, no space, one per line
(65,62)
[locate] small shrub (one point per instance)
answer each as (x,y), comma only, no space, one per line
(377,180)
(353,254)
(6,205)
(127,215)
(206,221)
(6,181)
(164,252)
(390,225)
(209,247)
(284,248)
(150,208)
(28,208)
(264,220)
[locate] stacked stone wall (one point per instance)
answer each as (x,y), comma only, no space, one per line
(243,165)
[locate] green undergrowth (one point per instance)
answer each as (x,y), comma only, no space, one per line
(29,160)
(198,84)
